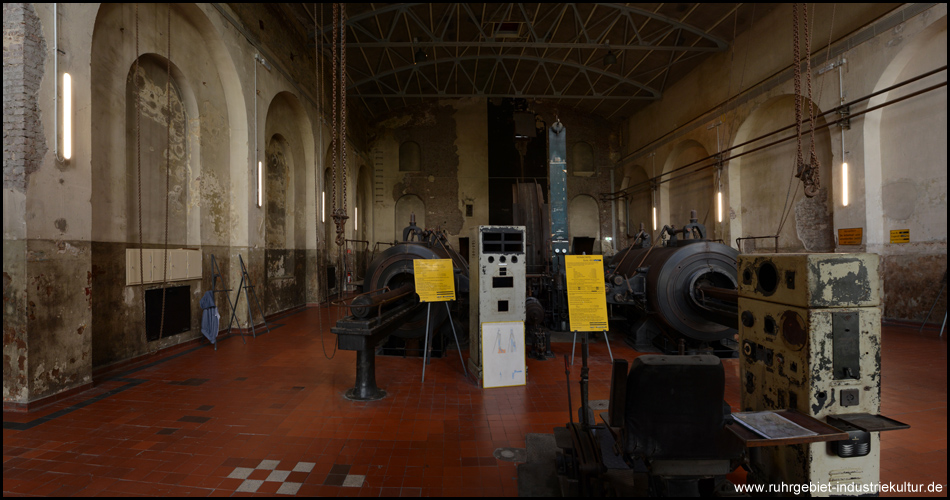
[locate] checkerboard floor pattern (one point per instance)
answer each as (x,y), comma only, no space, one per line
(290,480)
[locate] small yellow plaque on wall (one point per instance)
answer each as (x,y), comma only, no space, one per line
(850,236)
(900,236)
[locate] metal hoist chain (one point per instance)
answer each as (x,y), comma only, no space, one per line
(339,121)
(333,114)
(808,173)
(320,75)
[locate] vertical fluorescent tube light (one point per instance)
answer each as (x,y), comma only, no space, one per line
(844,183)
(654,209)
(719,204)
(260,185)
(719,194)
(323,206)
(356,219)
(67,117)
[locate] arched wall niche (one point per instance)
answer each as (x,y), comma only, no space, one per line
(287,118)
(410,157)
(639,203)
(913,196)
(685,193)
(364,202)
(764,191)
(287,152)
(278,197)
(363,219)
(210,161)
(584,220)
(167,149)
(902,194)
(582,156)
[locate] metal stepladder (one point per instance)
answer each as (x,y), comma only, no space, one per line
(215,276)
(248,289)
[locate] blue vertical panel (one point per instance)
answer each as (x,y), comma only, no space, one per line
(557,157)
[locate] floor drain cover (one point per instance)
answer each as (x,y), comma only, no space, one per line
(511,454)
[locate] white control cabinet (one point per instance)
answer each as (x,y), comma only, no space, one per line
(497,285)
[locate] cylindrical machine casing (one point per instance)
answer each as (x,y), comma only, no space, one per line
(674,275)
(394,268)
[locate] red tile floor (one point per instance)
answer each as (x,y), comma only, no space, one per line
(268,417)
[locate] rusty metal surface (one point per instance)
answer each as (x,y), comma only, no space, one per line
(810,341)
(811,280)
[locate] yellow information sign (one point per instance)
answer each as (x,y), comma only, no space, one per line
(900,236)
(586,299)
(435,279)
(850,236)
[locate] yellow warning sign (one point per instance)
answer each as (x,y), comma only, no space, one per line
(435,279)
(850,236)
(586,300)
(900,236)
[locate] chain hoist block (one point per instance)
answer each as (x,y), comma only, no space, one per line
(339,218)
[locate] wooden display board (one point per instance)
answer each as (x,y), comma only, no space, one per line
(503,358)
(586,298)
(434,279)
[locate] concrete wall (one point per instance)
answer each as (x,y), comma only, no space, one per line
(897,156)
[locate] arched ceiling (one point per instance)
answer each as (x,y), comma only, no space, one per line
(553,52)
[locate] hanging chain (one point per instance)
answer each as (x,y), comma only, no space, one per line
(796,60)
(812,182)
(168,160)
(138,162)
(333,134)
(808,173)
(339,121)
(343,99)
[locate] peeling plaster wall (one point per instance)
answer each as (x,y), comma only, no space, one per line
(24,53)
(471,142)
(46,272)
(897,156)
(453,140)
(435,128)
(59,305)
(913,189)
(198,199)
(67,225)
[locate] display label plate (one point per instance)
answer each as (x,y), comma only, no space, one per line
(586,298)
(435,279)
(900,236)
(850,236)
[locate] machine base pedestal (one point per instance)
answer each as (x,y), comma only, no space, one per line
(353,394)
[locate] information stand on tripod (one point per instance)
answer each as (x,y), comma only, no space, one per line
(248,289)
